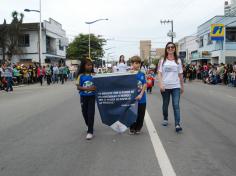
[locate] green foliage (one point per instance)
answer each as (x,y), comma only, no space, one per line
(14,34)
(79,48)
(145,62)
(155,61)
(10,34)
(3,39)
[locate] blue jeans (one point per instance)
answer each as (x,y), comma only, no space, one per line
(175,93)
(9,83)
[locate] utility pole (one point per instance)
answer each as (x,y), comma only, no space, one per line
(171,34)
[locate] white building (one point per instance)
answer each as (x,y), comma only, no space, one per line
(54,43)
(233,7)
(217,51)
(187,48)
(227,8)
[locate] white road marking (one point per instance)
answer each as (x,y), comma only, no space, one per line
(163,160)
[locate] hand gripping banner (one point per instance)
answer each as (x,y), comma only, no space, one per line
(115,95)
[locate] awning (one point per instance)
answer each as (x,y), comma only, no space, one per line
(205,58)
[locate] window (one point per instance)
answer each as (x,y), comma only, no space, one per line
(209,41)
(60,46)
(231,34)
(24,40)
(201,44)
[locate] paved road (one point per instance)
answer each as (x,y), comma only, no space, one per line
(42,133)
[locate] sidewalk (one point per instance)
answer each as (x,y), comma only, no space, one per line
(200,81)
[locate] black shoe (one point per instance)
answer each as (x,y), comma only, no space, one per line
(178,128)
(131,132)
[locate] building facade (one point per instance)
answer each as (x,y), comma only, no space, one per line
(145,49)
(187,48)
(227,8)
(233,8)
(217,52)
(54,43)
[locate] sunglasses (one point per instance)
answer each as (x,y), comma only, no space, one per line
(170,47)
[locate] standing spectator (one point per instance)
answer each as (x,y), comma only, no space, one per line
(44,73)
(25,75)
(40,75)
(199,72)
(1,77)
(31,74)
(220,73)
(234,75)
(55,74)
(171,83)
(48,75)
(8,75)
(225,74)
(16,74)
(61,74)
(66,72)
(184,73)
(35,69)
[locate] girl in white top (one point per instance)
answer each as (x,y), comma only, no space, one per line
(122,67)
(170,78)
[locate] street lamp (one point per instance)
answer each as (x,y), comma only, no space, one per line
(89,23)
(40,29)
(171,33)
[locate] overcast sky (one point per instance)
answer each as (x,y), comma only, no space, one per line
(129,20)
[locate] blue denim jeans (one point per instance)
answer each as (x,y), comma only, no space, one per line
(9,83)
(175,93)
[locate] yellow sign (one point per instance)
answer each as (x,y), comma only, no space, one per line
(217,31)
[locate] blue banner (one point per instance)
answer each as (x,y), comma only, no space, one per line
(116,102)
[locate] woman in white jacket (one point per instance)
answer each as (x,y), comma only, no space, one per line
(122,67)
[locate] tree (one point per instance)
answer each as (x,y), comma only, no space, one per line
(14,33)
(3,39)
(145,62)
(9,36)
(79,48)
(155,61)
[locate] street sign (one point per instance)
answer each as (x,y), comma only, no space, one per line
(217,31)
(171,34)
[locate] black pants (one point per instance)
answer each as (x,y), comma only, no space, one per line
(48,79)
(40,78)
(149,89)
(137,126)
(88,111)
(62,79)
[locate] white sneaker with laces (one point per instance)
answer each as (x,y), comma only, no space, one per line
(89,136)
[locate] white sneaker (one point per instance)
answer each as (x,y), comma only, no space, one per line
(89,136)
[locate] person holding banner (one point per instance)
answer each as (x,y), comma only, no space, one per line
(141,98)
(87,89)
(171,83)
